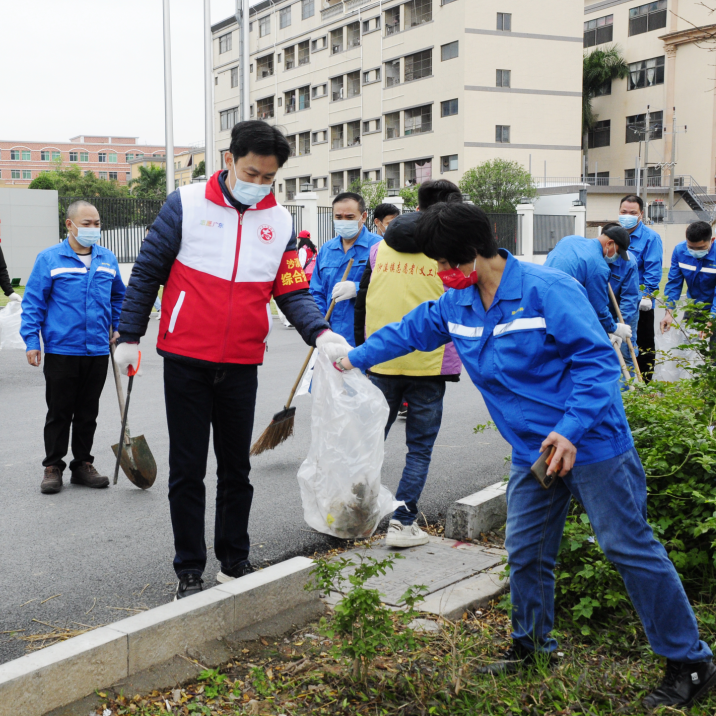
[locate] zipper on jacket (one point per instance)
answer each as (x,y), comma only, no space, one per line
(231,288)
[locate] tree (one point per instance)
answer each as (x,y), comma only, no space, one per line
(373,192)
(409,195)
(199,170)
(43,181)
(497,185)
(598,68)
(72,182)
(151,183)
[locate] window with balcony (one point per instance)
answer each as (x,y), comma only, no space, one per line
(74,156)
(503,78)
(224,43)
(304,143)
(392,73)
(449,51)
(448,108)
(304,97)
(337,88)
(304,53)
(320,43)
(502,134)
(228,118)
(646,73)
(353,35)
(319,91)
(84,156)
(504,21)
(418,172)
(418,65)
(352,177)
(353,83)
(418,120)
(112,157)
(102,157)
(337,41)
(636,127)
(392,177)
(598,179)
(264,26)
(648,17)
(417,12)
(264,108)
(320,137)
(290,101)
(600,134)
(337,136)
(234,76)
(598,31)
(291,139)
(290,189)
(353,133)
(336,183)
(392,125)
(392,21)
(307,9)
(304,184)
(448,163)
(289,59)
(284,17)
(371,76)
(264,66)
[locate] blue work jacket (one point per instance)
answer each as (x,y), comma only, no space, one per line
(71,305)
(583,259)
(331,262)
(538,356)
(624,280)
(699,274)
(646,247)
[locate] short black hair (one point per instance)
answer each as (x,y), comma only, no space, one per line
(456,232)
(632,198)
(383,210)
(260,138)
(435,191)
(343,196)
(698,231)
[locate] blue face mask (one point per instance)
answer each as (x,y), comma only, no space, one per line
(347,229)
(87,235)
(698,254)
(248,193)
(628,221)
(611,259)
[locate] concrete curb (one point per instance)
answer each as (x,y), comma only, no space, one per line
(482,511)
(63,673)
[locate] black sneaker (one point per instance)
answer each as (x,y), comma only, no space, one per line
(241,570)
(683,684)
(403,410)
(511,660)
(188,584)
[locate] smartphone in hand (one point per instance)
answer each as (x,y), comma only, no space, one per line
(539,469)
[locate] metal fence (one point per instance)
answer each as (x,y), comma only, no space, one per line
(507,230)
(325,225)
(548,230)
(296,215)
(124,221)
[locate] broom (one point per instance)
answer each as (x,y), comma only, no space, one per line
(280,428)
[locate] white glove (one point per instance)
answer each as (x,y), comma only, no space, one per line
(645,304)
(332,345)
(15,297)
(623,331)
(126,354)
(615,339)
(344,290)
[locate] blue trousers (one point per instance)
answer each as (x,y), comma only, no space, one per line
(425,413)
(613,494)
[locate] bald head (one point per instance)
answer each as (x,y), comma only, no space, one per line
(79,209)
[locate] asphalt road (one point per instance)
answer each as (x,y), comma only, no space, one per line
(91,557)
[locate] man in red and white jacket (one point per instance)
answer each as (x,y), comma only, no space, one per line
(221,250)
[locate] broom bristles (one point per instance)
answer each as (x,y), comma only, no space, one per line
(279,430)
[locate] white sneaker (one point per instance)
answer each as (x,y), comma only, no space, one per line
(158,316)
(400,535)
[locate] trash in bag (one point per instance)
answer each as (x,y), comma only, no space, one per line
(10,318)
(674,366)
(340,479)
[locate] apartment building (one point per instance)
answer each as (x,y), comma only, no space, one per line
(666,45)
(404,91)
(185,161)
(108,157)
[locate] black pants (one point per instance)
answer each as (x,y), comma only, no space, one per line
(198,398)
(73,385)
(645,341)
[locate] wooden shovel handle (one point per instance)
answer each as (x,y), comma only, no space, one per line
(613,299)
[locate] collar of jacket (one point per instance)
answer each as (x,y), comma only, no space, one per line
(510,287)
(217,190)
(67,250)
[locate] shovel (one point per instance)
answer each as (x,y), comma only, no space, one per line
(133,454)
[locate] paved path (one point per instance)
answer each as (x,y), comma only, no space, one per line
(108,551)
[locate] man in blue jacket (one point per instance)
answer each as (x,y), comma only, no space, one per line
(624,280)
(536,352)
(73,297)
(647,249)
(694,262)
(352,242)
(587,261)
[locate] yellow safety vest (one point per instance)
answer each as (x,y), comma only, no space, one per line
(399,283)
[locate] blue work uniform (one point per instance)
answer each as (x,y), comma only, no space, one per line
(73,306)
(624,280)
(538,356)
(648,250)
(699,274)
(583,260)
(331,262)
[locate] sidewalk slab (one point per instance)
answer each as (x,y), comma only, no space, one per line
(483,511)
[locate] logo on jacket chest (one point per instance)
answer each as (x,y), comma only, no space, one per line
(213,224)
(266,234)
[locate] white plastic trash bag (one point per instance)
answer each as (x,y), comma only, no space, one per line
(305,387)
(340,479)
(10,318)
(675,367)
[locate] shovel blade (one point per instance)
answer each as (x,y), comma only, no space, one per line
(137,462)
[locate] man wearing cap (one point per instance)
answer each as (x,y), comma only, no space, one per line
(587,261)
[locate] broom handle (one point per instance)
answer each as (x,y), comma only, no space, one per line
(613,299)
(310,353)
